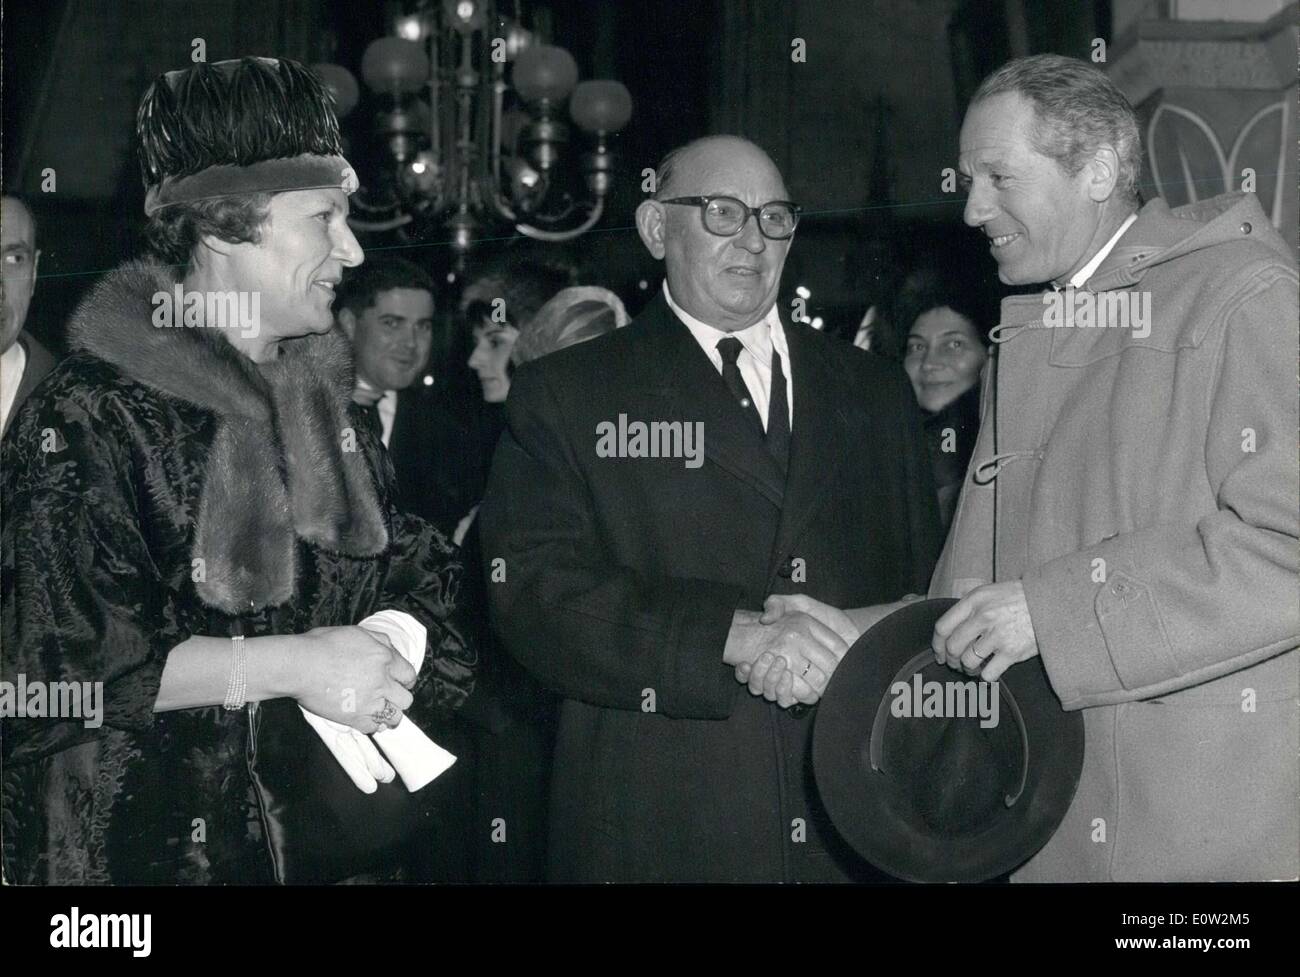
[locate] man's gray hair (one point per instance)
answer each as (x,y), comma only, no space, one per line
(1077,108)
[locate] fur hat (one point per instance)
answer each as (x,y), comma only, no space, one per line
(254,125)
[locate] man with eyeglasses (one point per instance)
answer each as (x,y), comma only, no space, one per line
(645,583)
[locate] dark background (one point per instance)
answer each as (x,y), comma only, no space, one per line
(862,129)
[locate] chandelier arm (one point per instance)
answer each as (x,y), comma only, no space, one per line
(537,234)
(559,217)
(387,225)
(503,208)
(494,130)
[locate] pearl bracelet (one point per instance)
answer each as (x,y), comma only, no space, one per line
(237,687)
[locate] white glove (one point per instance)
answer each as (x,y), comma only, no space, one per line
(418,759)
(354,752)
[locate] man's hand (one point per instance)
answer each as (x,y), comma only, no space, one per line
(787,661)
(778,605)
(848,624)
(987,629)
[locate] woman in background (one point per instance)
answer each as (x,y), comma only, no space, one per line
(515,715)
(945,350)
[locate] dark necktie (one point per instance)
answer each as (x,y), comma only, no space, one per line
(778,415)
(371,413)
(729,348)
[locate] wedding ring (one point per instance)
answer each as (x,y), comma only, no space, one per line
(806,666)
(385,714)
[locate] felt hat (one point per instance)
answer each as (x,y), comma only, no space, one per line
(933,775)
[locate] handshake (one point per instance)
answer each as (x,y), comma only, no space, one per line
(788,653)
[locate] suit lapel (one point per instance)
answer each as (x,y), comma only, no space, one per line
(818,436)
(689,388)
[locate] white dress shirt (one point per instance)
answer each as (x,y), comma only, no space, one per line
(387,407)
(1080,277)
(12,364)
(758,343)
(387,413)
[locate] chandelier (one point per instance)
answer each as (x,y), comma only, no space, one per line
(472,128)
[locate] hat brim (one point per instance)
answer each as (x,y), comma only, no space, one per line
(864,803)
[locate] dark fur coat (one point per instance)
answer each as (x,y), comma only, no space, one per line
(159,486)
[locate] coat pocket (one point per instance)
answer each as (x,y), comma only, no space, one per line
(1135,635)
(1084,345)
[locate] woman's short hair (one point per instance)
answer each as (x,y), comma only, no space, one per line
(174,232)
(229,113)
(1077,108)
(929,287)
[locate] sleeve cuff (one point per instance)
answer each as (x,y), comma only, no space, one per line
(699,684)
(1061,597)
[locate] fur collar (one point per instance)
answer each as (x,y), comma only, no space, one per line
(280,464)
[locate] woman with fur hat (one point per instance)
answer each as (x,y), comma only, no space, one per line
(195,521)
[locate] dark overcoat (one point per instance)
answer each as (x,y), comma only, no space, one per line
(615,579)
(104,476)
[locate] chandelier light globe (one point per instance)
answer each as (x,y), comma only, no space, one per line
(410,27)
(422,175)
(601,106)
(341,85)
(394,66)
(465,16)
(544,71)
(517,40)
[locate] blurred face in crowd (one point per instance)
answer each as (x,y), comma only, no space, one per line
(1040,221)
(306,243)
(726,282)
(944,357)
(391,339)
(18,259)
(493,342)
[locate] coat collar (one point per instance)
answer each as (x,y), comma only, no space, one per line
(284,461)
(685,378)
(1162,234)
(690,388)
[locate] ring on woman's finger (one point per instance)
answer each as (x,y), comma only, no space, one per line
(806,665)
(385,715)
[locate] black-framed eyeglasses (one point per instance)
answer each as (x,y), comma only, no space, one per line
(725,216)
